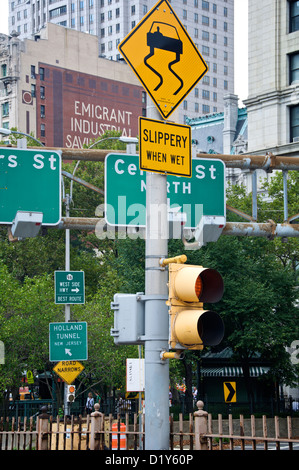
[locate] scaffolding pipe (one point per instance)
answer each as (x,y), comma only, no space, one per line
(269,230)
(266,162)
(252,229)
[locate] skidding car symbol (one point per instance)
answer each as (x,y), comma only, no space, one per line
(167,43)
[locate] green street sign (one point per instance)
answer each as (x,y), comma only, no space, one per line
(69,287)
(125,191)
(68,341)
(30,181)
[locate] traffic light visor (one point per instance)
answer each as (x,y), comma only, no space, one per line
(194,327)
(198,284)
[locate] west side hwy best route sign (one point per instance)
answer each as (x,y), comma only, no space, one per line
(164,57)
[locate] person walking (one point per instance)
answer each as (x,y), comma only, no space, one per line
(89,403)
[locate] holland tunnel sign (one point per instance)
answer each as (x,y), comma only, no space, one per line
(125,191)
(68,341)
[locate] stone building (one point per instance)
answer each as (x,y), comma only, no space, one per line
(60,90)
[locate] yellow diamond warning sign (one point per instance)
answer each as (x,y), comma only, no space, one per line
(68,370)
(164,57)
(165,147)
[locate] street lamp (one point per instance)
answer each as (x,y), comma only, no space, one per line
(9,132)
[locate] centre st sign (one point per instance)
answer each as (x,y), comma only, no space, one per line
(125,191)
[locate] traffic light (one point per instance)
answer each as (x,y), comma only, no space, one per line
(191,326)
(71,389)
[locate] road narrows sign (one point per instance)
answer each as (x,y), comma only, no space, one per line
(68,370)
(164,57)
(165,147)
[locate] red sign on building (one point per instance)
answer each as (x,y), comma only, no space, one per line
(74,108)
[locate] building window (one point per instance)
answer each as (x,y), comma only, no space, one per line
(3,70)
(42,111)
(294,123)
(294,68)
(33,71)
(42,130)
(42,92)
(294,16)
(205,20)
(33,91)
(5,109)
(42,73)
(205,50)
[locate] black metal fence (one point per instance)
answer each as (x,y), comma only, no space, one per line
(115,407)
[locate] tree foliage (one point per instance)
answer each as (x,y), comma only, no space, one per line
(258,307)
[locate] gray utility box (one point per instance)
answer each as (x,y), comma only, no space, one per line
(129,322)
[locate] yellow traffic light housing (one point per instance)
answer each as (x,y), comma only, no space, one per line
(192,327)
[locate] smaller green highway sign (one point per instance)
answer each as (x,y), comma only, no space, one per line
(68,341)
(69,287)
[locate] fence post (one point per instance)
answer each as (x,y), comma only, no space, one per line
(42,430)
(95,428)
(201,427)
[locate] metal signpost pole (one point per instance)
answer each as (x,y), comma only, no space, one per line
(156,312)
(67,315)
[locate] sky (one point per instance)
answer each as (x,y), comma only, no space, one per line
(241,48)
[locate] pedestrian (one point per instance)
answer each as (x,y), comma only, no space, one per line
(89,403)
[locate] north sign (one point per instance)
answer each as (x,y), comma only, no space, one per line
(165,147)
(164,57)
(125,191)
(30,181)
(68,341)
